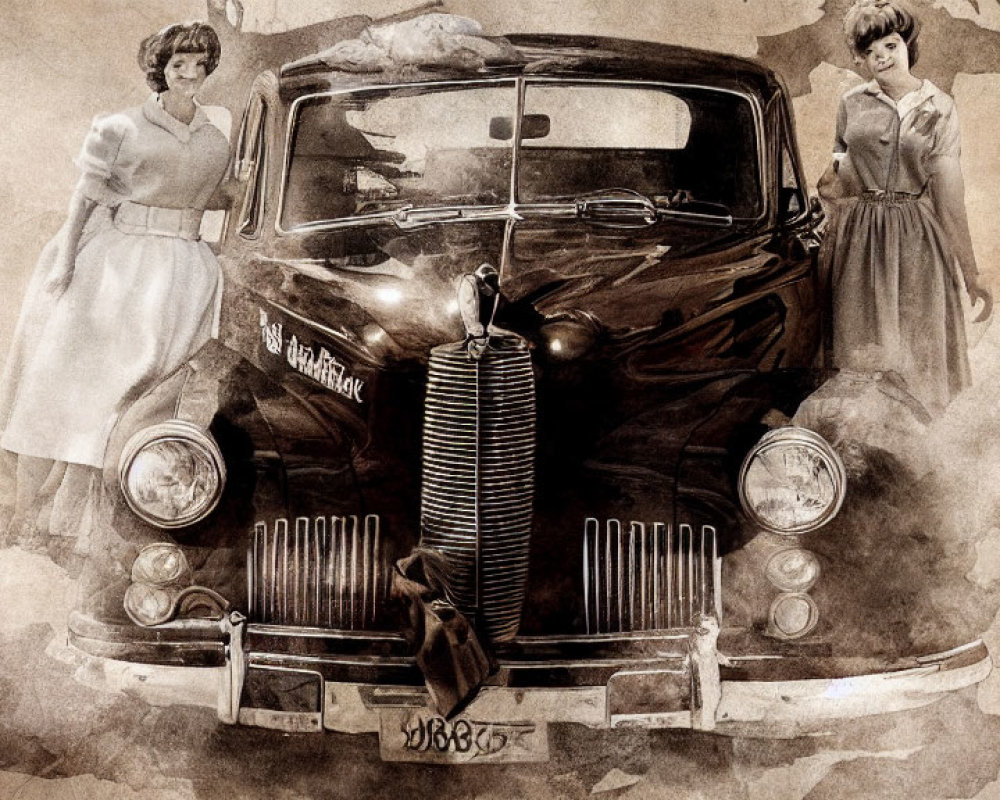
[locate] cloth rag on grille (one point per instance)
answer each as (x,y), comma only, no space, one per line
(448,652)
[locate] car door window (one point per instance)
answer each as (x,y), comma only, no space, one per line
(251,156)
(792,200)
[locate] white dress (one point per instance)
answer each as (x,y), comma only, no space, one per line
(144,293)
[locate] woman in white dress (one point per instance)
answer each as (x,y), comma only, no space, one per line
(126,291)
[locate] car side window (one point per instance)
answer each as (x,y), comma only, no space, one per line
(792,200)
(250,160)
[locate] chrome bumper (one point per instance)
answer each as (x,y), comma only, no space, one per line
(709,704)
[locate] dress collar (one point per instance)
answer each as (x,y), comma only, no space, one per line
(908,101)
(156,114)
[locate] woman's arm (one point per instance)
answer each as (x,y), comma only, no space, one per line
(80,209)
(948,196)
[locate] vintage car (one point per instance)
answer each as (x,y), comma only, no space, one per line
(549,314)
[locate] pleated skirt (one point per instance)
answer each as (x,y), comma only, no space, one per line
(895,295)
(138,306)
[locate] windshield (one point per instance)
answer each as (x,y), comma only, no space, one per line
(375,152)
(680,147)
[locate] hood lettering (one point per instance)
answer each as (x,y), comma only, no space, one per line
(270,334)
(322,367)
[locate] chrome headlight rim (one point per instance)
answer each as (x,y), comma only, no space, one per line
(792,435)
(190,435)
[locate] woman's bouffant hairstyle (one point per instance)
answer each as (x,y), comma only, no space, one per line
(190,37)
(869,20)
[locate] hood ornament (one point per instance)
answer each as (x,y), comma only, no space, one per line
(478,298)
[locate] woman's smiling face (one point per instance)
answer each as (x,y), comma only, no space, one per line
(185,73)
(888,58)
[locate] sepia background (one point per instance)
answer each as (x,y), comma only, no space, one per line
(64,733)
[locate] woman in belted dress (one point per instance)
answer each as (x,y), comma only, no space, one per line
(126,291)
(898,250)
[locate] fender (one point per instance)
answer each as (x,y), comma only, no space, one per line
(264,431)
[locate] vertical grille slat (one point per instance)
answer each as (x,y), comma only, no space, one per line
(282,527)
(272,608)
(377,568)
(607,577)
(657,572)
(331,572)
(319,544)
(354,568)
(652,577)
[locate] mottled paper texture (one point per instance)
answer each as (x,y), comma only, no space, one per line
(72,727)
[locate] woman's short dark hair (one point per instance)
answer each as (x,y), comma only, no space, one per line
(870,20)
(183,37)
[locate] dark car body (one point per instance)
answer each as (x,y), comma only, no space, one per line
(659,312)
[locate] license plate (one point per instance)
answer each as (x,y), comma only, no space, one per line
(420,735)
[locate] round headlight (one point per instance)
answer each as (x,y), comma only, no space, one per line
(792,615)
(172,474)
(792,481)
(161,564)
(149,605)
(793,570)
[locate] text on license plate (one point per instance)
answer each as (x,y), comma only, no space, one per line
(421,735)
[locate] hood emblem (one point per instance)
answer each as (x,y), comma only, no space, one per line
(478,298)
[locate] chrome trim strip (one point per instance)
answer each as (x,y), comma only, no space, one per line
(290,631)
(259,659)
(963,648)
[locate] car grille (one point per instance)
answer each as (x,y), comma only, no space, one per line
(325,572)
(649,576)
(478,477)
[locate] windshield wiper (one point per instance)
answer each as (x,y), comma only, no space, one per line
(410,217)
(627,208)
(618,207)
(697,210)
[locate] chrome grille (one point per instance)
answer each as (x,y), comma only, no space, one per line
(649,576)
(325,572)
(478,477)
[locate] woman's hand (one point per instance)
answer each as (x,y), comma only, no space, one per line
(61,273)
(979,292)
(829,186)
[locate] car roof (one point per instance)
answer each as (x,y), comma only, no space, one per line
(552,55)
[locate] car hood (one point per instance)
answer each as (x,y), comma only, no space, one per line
(394,295)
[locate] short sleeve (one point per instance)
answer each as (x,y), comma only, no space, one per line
(98,158)
(947,136)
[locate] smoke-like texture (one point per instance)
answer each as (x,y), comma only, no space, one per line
(73,727)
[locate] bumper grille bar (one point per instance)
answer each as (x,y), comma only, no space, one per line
(324,573)
(649,576)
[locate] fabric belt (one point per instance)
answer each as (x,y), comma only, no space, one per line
(883,196)
(183,223)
